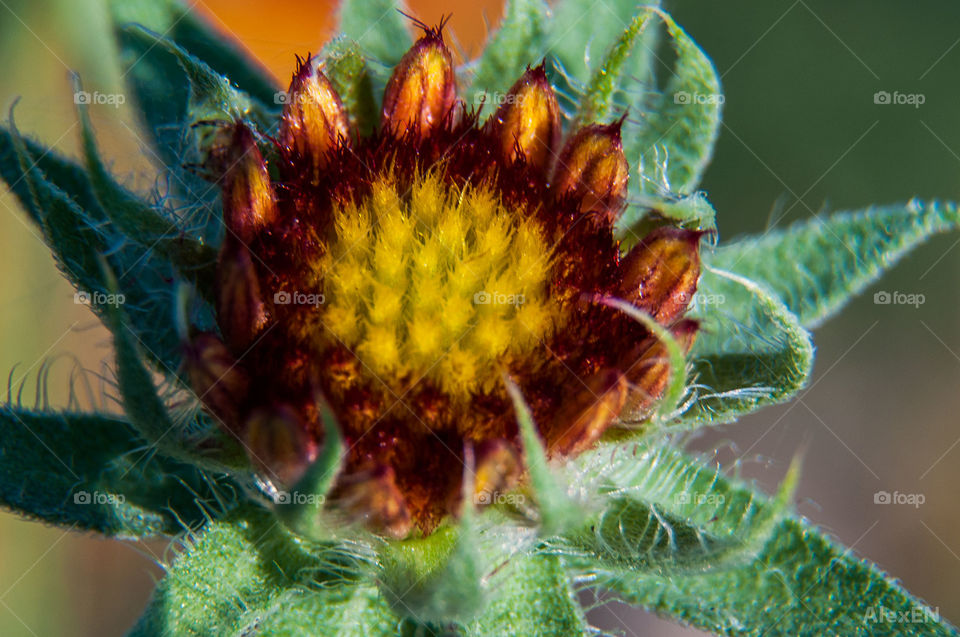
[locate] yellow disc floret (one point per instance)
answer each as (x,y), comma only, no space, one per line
(436,282)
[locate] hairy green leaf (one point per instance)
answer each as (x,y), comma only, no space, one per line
(668,514)
(307,517)
(93,472)
(162,88)
(682,127)
(518,43)
(672,142)
(435,578)
(595,104)
(347,69)
(582,30)
(247,575)
(83,232)
(183,24)
(817,265)
(141,222)
(557,511)
(532,597)
(147,412)
(799,582)
(751,351)
(381,32)
(802,583)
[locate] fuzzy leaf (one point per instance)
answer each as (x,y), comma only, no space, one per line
(818,265)
(307,518)
(139,221)
(668,514)
(751,351)
(802,583)
(582,31)
(67,228)
(92,472)
(212,96)
(346,68)
(798,583)
(532,597)
(518,43)
(557,510)
(435,578)
(686,120)
(595,104)
(183,25)
(83,232)
(160,85)
(246,575)
(147,412)
(672,143)
(381,32)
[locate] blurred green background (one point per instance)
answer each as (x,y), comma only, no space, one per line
(802,133)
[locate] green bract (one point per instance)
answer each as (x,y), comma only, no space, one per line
(637,516)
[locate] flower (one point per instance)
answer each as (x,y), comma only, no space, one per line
(402,278)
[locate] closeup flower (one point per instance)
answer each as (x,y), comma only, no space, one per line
(414,347)
(406,276)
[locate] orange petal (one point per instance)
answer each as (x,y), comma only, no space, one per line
(527,124)
(216,378)
(278,443)
(248,198)
(422,90)
(497,470)
(593,169)
(314,120)
(241,312)
(660,273)
(647,366)
(374,498)
(584,416)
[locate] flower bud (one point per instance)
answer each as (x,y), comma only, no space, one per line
(278,442)
(422,90)
(248,198)
(660,273)
(593,170)
(647,366)
(216,378)
(584,416)
(528,123)
(497,470)
(241,312)
(314,120)
(373,496)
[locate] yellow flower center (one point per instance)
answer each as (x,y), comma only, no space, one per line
(436,282)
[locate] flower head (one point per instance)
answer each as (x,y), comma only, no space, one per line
(403,276)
